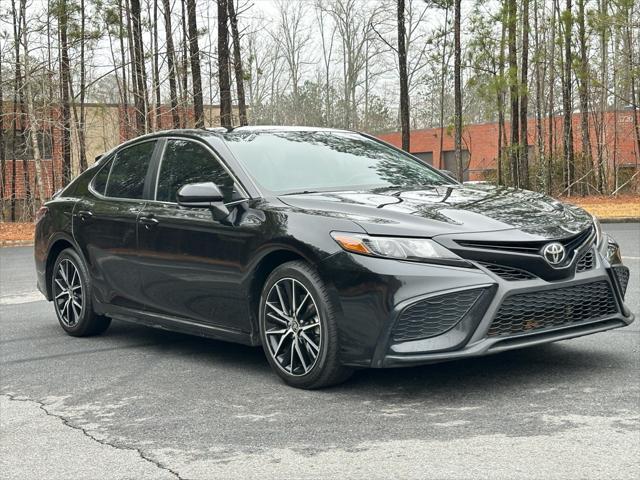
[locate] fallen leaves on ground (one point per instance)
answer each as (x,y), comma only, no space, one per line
(10,232)
(623,206)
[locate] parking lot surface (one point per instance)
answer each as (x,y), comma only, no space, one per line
(142,403)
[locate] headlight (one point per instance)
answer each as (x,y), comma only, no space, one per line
(599,236)
(606,245)
(399,248)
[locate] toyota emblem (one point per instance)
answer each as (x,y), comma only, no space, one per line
(553,253)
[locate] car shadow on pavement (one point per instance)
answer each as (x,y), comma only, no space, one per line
(533,366)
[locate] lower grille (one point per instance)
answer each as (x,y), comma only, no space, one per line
(525,312)
(586,262)
(508,273)
(622,273)
(433,316)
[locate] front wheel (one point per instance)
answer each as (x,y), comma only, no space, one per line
(298,328)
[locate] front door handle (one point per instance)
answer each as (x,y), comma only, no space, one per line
(85,215)
(149,221)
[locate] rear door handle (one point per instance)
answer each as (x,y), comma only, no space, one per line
(149,221)
(85,215)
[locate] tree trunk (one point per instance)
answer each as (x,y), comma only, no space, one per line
(551,118)
(237,64)
(539,78)
(123,60)
(583,86)
(3,151)
(443,70)
(140,93)
(65,77)
(194,54)
(185,64)
(82,145)
(223,65)
(404,81)
(524,99)
(603,7)
(567,103)
(514,149)
(171,56)
(32,120)
(156,69)
(500,105)
(457,90)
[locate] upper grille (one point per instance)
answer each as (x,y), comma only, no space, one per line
(525,312)
(586,262)
(508,273)
(622,273)
(532,247)
(434,316)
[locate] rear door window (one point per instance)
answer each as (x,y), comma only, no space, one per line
(129,170)
(187,162)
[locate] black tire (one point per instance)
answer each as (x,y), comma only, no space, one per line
(77,321)
(326,369)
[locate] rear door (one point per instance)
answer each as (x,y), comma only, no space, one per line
(191,264)
(104,224)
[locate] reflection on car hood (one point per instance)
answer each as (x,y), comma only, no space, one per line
(449,210)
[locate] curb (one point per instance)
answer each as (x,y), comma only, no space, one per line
(619,219)
(16,243)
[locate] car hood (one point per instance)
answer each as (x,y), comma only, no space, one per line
(454,209)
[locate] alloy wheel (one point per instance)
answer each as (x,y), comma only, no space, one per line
(67,286)
(292,327)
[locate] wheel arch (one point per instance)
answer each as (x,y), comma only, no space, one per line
(268,263)
(57,245)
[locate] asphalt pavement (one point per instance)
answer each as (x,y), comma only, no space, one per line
(142,403)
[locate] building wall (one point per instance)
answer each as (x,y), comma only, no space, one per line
(107,125)
(481,141)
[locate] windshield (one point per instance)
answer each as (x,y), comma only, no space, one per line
(288,162)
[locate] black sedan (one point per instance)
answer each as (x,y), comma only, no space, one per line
(331,249)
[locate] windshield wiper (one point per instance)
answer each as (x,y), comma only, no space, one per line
(301,192)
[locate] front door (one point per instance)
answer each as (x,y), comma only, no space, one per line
(104,225)
(191,264)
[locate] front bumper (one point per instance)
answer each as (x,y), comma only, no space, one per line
(374,292)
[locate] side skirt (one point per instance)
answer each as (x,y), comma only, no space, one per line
(166,322)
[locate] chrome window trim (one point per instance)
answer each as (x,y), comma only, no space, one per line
(113,161)
(216,157)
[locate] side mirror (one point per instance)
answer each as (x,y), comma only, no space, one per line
(203,195)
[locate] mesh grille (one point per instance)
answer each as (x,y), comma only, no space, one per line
(622,273)
(434,316)
(524,312)
(508,273)
(586,262)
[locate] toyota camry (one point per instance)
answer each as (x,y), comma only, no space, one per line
(329,248)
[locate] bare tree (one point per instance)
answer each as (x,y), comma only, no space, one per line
(524,99)
(237,64)
(223,64)
(457,75)
(171,63)
(194,54)
(405,125)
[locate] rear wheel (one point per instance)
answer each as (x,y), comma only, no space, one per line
(71,289)
(298,328)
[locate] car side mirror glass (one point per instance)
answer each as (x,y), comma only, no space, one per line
(203,195)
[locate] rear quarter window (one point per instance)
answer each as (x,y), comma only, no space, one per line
(129,170)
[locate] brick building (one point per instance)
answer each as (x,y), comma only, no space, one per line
(107,125)
(480,143)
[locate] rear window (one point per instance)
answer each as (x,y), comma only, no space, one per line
(128,172)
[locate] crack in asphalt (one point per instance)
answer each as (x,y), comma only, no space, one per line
(66,422)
